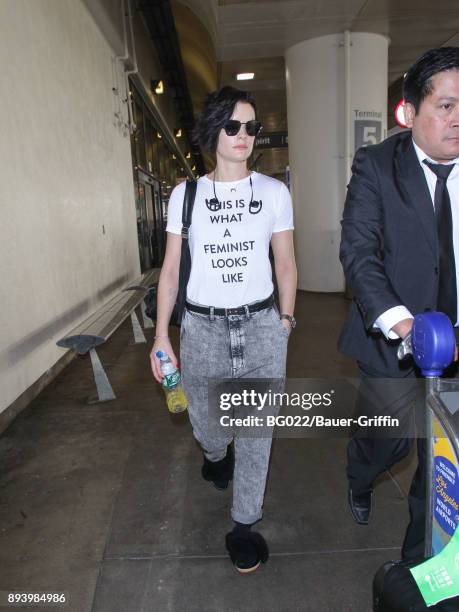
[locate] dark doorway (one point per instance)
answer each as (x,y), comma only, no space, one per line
(150,222)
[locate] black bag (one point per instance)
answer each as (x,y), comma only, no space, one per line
(394,590)
(185,264)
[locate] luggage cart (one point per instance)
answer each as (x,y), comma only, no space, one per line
(432,345)
(442,514)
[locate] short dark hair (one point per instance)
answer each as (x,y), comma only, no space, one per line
(218,108)
(417,83)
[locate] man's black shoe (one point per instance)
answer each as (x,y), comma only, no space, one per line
(219,472)
(360,506)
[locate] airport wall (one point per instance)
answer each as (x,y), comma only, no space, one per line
(68,236)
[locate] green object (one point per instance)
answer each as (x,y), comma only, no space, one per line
(438,577)
(171,380)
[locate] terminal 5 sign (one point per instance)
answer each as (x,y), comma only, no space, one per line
(367,127)
(367,131)
(271,140)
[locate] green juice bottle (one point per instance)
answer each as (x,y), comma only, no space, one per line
(171,383)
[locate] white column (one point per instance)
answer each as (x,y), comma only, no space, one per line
(318,117)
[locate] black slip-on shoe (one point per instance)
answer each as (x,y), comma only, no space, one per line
(360,506)
(247,550)
(219,472)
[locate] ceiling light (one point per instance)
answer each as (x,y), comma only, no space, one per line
(158,135)
(178,132)
(188,155)
(157,86)
(245,76)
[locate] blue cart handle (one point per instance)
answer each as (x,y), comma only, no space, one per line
(431,342)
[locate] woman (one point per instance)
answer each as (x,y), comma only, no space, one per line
(237,214)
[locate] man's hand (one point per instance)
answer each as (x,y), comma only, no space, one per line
(403,328)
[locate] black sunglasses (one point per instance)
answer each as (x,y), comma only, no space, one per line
(232,127)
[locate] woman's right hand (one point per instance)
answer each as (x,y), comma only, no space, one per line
(161,344)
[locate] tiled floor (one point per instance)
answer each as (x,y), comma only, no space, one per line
(106,502)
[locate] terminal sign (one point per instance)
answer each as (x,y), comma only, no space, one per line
(367,128)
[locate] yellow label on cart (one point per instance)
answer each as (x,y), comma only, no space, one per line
(444,488)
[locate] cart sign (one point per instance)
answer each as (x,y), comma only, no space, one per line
(445,489)
(438,577)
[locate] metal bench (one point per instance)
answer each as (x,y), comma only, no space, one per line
(98,327)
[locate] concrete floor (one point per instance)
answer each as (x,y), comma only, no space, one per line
(106,502)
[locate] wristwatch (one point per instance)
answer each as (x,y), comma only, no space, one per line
(289,318)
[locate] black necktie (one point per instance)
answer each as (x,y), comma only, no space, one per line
(447,289)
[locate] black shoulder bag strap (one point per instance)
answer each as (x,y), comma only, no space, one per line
(187,210)
(185,257)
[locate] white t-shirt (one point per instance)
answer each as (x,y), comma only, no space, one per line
(230,247)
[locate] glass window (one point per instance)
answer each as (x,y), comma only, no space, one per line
(139,136)
(151,154)
(149,144)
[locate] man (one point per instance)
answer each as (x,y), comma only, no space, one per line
(400,254)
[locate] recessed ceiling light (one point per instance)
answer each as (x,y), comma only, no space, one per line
(245,76)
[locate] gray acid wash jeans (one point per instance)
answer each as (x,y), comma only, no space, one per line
(248,346)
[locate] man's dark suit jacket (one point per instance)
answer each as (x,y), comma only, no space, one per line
(389,247)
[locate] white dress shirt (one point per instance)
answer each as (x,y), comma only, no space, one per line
(396,314)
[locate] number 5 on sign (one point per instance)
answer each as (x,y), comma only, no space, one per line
(366,132)
(369,135)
